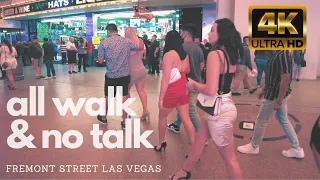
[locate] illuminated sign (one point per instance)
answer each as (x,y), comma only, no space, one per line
(45,5)
(144,13)
(58,4)
(16,10)
(87,1)
(277,27)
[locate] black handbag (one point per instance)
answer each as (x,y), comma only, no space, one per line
(215,109)
(303,63)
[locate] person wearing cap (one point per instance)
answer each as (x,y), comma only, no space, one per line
(115,51)
(35,53)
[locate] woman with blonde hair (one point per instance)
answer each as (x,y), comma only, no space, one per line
(8,61)
(138,72)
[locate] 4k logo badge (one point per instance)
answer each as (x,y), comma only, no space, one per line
(277,27)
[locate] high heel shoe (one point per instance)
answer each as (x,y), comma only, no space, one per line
(11,87)
(145,116)
(123,125)
(163,145)
(187,177)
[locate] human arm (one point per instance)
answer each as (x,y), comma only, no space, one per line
(247,57)
(166,67)
(285,70)
(157,49)
(201,59)
(101,54)
(212,75)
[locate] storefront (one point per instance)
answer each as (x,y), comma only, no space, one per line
(11,30)
(60,19)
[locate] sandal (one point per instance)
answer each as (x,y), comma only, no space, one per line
(187,177)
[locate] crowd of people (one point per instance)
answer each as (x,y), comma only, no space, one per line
(193,76)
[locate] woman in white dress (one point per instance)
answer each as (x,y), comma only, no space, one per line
(138,72)
(8,61)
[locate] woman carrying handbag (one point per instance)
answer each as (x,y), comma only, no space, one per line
(8,61)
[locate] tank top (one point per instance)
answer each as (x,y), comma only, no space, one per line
(227,80)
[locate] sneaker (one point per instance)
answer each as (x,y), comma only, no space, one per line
(70,72)
(248,149)
(293,153)
(42,77)
(236,94)
(74,72)
(172,127)
(47,78)
(54,77)
(39,77)
(100,119)
(253,90)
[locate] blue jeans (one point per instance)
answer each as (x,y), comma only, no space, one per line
(262,66)
(90,60)
(49,65)
(195,119)
(265,114)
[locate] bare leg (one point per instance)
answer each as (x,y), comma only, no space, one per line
(202,136)
(10,78)
(228,154)
(162,125)
(185,118)
(143,96)
(124,113)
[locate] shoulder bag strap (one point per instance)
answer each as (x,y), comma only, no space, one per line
(221,87)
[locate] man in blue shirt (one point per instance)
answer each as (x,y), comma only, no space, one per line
(115,51)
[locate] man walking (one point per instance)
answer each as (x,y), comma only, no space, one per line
(115,50)
(35,53)
(241,74)
(276,94)
(196,61)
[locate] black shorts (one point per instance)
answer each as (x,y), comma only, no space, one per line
(122,81)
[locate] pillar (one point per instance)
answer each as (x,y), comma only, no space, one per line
(89,26)
(225,9)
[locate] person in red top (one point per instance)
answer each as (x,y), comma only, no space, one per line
(90,53)
(174,92)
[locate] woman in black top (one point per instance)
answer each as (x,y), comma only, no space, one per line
(220,69)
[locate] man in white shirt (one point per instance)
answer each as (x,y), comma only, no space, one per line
(72,55)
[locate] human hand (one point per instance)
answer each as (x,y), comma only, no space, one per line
(160,104)
(191,84)
(277,106)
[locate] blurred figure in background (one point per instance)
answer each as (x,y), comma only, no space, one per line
(298,57)
(243,63)
(35,53)
(8,61)
(153,55)
(262,57)
(48,57)
(63,49)
(82,54)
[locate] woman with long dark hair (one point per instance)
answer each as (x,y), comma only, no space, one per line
(8,61)
(215,99)
(174,92)
(315,143)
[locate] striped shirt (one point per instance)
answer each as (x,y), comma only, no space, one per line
(278,64)
(63,48)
